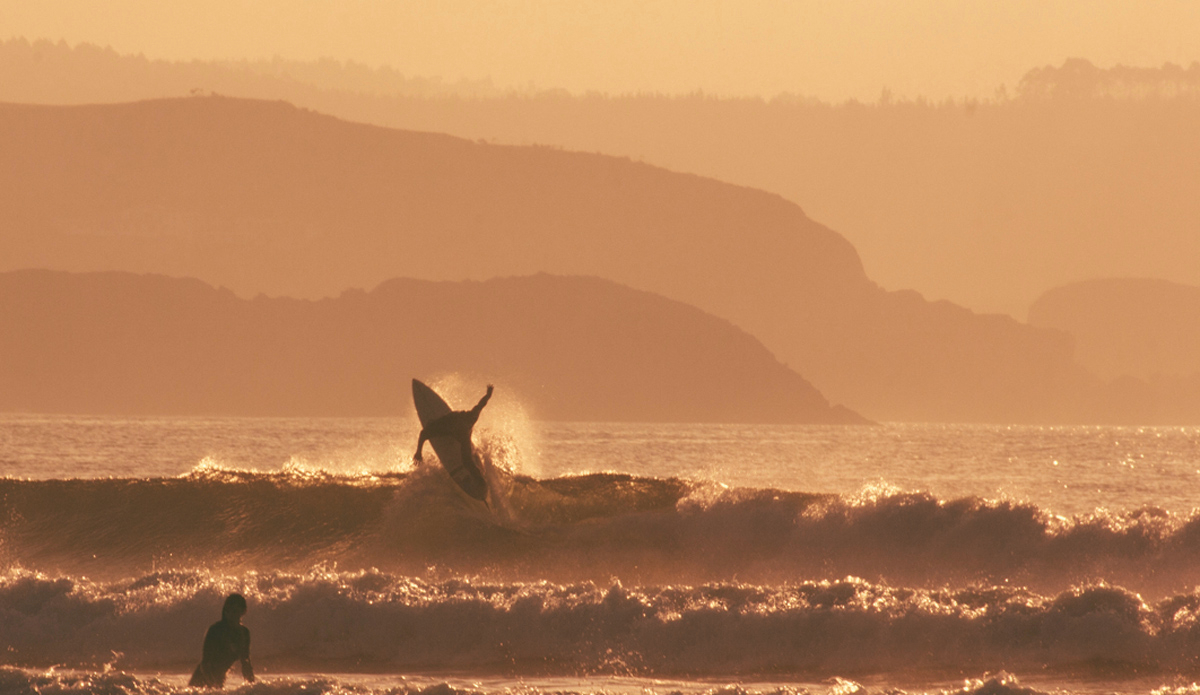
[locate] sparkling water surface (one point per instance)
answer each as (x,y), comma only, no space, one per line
(1064,469)
(69,681)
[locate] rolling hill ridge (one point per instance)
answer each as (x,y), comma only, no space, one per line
(262,197)
(567,348)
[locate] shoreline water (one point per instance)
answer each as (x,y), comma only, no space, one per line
(68,681)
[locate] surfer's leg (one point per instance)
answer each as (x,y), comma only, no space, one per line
(468,454)
(204,677)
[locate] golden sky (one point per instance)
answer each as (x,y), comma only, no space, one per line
(831,49)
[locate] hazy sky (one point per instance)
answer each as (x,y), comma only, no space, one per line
(833,49)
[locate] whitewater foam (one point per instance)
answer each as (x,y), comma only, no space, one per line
(67,682)
(333,621)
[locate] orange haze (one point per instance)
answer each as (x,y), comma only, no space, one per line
(832,50)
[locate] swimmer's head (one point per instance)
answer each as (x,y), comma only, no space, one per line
(235,606)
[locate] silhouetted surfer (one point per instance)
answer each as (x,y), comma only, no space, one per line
(225,642)
(456,424)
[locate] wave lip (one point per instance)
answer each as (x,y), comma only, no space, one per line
(377,622)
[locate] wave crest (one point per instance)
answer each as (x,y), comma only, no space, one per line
(588,527)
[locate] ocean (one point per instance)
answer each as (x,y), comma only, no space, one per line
(640,559)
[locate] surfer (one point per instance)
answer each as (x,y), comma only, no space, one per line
(225,642)
(456,424)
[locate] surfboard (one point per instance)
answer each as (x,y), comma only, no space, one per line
(466,474)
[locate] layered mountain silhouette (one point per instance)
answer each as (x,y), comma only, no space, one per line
(1127,326)
(1141,337)
(262,197)
(985,203)
(570,348)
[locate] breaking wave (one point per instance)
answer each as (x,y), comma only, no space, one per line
(580,528)
(372,621)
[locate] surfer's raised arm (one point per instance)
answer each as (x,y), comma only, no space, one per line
(482,401)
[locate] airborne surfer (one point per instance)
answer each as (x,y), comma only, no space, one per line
(457,425)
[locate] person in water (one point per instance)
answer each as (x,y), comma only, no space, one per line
(458,425)
(225,642)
